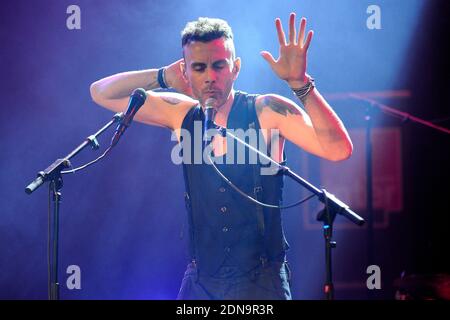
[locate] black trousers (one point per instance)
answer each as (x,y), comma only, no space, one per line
(270,281)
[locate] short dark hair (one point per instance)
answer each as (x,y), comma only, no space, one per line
(205,30)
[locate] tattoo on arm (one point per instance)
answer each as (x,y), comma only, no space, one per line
(171,100)
(153,85)
(277,105)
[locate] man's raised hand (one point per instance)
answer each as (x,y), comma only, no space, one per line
(176,80)
(291,63)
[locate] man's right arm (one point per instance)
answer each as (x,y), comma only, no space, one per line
(165,109)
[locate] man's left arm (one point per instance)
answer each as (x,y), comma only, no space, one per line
(318,130)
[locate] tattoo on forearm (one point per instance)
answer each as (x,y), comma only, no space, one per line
(278,106)
(171,100)
(153,85)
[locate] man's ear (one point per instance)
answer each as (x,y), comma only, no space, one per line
(183,69)
(237,67)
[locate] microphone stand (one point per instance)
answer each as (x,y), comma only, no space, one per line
(393,112)
(53,174)
(333,206)
(369,189)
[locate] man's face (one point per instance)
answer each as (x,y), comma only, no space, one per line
(210,69)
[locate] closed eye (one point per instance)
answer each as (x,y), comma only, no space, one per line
(199,67)
(219,65)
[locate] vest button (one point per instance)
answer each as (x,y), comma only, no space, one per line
(223,209)
(225,229)
(222,189)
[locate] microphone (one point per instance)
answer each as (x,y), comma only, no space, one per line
(137,99)
(210,114)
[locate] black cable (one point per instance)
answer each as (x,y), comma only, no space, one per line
(89,163)
(217,171)
(242,193)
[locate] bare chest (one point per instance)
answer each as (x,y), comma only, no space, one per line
(272,140)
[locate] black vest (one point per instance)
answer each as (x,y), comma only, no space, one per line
(224,227)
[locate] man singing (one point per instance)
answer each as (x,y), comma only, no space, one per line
(237,247)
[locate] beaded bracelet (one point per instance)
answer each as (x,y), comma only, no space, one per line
(302,92)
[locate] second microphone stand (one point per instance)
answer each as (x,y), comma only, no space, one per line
(53,174)
(333,206)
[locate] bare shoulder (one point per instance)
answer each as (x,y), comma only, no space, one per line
(270,108)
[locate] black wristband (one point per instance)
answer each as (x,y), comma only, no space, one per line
(161,81)
(303,92)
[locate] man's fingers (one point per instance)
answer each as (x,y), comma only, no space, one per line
(280,32)
(268,57)
(292,32)
(308,40)
(301,33)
